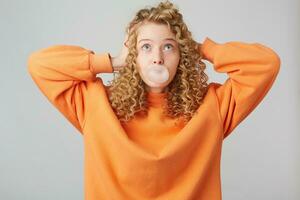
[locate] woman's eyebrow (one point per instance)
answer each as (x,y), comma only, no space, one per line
(164,39)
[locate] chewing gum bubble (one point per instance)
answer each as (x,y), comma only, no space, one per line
(157,73)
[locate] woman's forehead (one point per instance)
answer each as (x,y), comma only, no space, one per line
(155,32)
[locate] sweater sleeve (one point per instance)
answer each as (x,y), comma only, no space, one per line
(251,69)
(62,73)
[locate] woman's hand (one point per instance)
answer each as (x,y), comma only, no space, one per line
(119,61)
(200,49)
(199,46)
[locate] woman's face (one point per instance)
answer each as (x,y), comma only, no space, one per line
(156,44)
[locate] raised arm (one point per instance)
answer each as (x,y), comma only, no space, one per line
(251,69)
(62,73)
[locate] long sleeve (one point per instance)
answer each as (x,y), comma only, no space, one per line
(62,73)
(251,69)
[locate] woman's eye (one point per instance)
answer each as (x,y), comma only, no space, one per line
(146,45)
(169,45)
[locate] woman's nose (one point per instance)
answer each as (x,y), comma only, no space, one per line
(158,62)
(158,58)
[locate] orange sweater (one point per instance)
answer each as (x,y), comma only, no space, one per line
(153,158)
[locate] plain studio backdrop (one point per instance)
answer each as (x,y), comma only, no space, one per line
(41,153)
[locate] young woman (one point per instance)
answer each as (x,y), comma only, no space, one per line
(156,131)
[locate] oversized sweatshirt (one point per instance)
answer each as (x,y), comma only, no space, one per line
(153,158)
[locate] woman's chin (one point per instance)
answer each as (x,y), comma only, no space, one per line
(156,84)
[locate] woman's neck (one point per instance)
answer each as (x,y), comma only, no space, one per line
(156,90)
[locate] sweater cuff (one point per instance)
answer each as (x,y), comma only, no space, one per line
(208,49)
(100,63)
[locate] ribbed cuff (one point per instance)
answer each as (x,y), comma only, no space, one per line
(100,63)
(208,49)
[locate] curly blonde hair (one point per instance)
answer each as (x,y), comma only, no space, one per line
(127,92)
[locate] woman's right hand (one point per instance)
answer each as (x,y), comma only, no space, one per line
(119,61)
